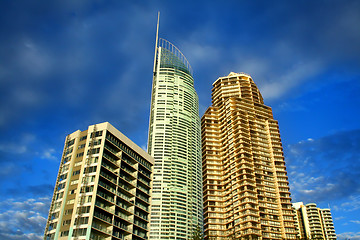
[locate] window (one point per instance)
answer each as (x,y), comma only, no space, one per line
(87,189)
(83,138)
(82,220)
(80,154)
(68,211)
(81,146)
(74,182)
(94,151)
(90,169)
(59,195)
(66,222)
(83,209)
(97,134)
(60,186)
(95,142)
(79,232)
(70,143)
(68,151)
(62,177)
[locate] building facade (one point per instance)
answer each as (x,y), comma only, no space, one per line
(103,188)
(313,222)
(246,189)
(175,143)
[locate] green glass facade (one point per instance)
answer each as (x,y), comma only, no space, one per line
(175,144)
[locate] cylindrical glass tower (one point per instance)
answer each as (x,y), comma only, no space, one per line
(175,144)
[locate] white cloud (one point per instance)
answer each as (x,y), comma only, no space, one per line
(8,170)
(352,204)
(23,219)
(297,107)
(349,235)
(49,154)
(284,83)
(13,148)
(199,54)
(19,147)
(33,58)
(319,171)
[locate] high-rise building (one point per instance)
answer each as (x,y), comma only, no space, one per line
(102,191)
(246,189)
(313,222)
(175,143)
(328,224)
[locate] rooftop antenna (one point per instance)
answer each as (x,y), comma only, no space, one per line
(156,40)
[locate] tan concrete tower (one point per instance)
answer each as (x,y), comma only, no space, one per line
(314,222)
(246,192)
(103,188)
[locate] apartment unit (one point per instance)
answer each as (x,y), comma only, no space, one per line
(103,188)
(175,143)
(313,222)
(245,183)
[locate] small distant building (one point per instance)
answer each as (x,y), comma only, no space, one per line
(313,222)
(102,191)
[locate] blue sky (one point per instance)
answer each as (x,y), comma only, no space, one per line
(67,64)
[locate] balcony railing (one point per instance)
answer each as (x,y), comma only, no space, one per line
(103,217)
(101,228)
(103,206)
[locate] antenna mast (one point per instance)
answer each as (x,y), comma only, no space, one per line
(156,41)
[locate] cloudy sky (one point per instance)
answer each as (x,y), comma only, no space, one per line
(67,64)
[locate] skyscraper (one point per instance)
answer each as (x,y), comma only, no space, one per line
(313,222)
(246,192)
(102,191)
(175,143)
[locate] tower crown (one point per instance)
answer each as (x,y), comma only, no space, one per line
(174,56)
(239,85)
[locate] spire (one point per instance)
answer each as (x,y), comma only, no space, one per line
(156,40)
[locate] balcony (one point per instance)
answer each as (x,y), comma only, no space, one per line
(140,224)
(104,207)
(105,196)
(141,215)
(96,237)
(147,191)
(108,167)
(144,181)
(118,235)
(125,197)
(123,216)
(145,173)
(128,171)
(101,228)
(107,187)
(121,225)
(111,150)
(127,178)
(140,232)
(103,217)
(142,206)
(111,159)
(145,199)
